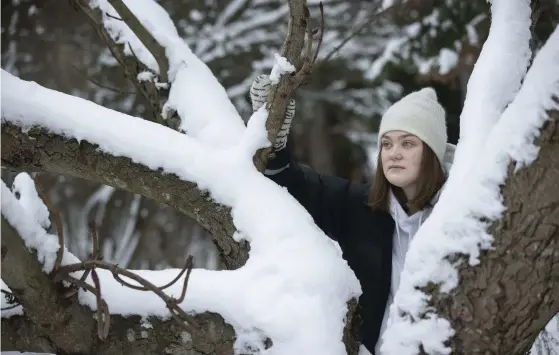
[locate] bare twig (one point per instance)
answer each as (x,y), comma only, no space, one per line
(308,53)
(112,16)
(95,255)
(94,81)
(306,70)
(367,22)
(103,316)
(57,222)
(321,34)
(188,266)
(117,272)
(149,89)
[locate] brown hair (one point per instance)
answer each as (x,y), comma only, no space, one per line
(430,180)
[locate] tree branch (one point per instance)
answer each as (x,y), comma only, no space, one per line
(144,36)
(280,94)
(501,305)
(131,66)
(40,150)
(54,323)
(68,326)
(128,336)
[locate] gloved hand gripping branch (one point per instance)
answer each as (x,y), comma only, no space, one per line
(259,91)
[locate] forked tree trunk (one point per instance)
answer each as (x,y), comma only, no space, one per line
(502,304)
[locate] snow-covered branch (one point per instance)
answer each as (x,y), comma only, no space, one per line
(508,42)
(57,153)
(58,130)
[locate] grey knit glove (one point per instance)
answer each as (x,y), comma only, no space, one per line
(259,95)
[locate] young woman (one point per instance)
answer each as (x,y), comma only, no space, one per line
(373,223)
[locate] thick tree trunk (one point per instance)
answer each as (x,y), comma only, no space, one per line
(502,304)
(127,337)
(55,324)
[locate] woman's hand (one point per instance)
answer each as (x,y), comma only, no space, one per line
(259,91)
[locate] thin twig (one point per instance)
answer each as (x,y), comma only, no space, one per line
(112,16)
(151,91)
(103,324)
(308,53)
(94,81)
(321,34)
(115,269)
(96,254)
(57,222)
(147,39)
(189,265)
(356,31)
(79,282)
(304,73)
(117,277)
(102,309)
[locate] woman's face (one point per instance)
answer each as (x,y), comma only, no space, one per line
(401,154)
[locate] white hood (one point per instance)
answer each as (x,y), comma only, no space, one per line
(404,231)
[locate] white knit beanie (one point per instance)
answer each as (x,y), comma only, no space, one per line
(418,113)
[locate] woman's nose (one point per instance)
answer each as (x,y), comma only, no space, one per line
(395,153)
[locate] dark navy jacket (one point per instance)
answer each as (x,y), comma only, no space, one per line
(340,209)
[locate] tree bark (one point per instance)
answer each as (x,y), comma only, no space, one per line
(127,337)
(501,305)
(55,324)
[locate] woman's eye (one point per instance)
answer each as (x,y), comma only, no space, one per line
(408,144)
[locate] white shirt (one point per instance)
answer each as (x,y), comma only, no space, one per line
(404,230)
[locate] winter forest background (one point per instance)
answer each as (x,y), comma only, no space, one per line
(368,60)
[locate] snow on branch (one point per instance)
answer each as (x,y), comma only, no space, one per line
(39,149)
(138,64)
(146,28)
(495,79)
(454,271)
(188,76)
(305,306)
